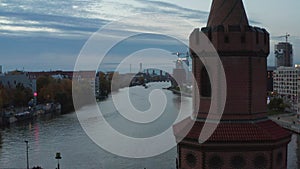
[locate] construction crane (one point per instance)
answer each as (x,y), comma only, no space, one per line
(178,54)
(286,36)
(185,55)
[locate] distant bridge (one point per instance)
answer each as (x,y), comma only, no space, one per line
(150,75)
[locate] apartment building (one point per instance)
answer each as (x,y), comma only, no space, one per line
(286,85)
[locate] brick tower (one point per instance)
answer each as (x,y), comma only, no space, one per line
(245,138)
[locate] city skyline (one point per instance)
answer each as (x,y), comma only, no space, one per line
(149,84)
(46,36)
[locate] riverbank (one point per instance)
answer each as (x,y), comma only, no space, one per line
(178,92)
(14,115)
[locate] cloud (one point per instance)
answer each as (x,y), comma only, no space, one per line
(16,28)
(64,21)
(172,6)
(172,9)
(80,18)
(18,23)
(252,22)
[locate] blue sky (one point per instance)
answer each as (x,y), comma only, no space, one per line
(48,35)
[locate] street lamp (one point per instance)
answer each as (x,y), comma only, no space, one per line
(58,157)
(35,94)
(27,153)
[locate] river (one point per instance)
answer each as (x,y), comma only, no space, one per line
(64,134)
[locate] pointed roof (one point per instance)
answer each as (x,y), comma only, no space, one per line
(227,12)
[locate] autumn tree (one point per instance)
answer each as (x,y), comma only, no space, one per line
(104,84)
(5,97)
(21,95)
(55,90)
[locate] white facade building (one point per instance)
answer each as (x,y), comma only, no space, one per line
(298,98)
(12,80)
(286,85)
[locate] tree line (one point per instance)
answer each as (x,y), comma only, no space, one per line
(54,90)
(18,96)
(48,90)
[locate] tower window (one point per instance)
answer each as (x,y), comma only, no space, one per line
(279,158)
(205,83)
(257,37)
(210,35)
(191,160)
(260,161)
(243,39)
(226,39)
(215,162)
(238,162)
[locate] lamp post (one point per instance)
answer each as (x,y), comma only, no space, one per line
(58,157)
(27,154)
(35,94)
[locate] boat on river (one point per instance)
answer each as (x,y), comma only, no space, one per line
(26,115)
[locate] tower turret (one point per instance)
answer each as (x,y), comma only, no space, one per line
(243,50)
(245,137)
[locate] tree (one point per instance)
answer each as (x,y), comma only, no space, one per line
(1,98)
(21,95)
(52,90)
(104,84)
(6,96)
(43,81)
(277,104)
(64,95)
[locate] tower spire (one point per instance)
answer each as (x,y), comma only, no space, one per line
(227,12)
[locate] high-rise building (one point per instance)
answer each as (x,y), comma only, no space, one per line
(298,98)
(244,137)
(286,85)
(141,67)
(180,72)
(270,78)
(284,54)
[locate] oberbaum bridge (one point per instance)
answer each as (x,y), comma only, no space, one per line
(245,138)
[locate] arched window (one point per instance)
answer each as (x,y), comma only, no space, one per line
(205,83)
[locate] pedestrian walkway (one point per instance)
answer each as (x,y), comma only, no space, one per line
(288,121)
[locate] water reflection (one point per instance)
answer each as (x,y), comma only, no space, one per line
(139,98)
(64,134)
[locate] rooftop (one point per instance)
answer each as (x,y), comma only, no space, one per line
(227,12)
(264,131)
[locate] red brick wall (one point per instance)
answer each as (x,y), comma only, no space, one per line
(259,87)
(237,78)
(235,41)
(275,159)
(248,156)
(183,161)
(245,75)
(279,163)
(239,96)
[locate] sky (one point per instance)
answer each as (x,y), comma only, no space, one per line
(42,35)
